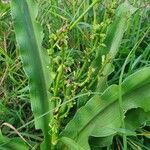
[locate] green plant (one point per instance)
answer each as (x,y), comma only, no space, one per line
(29,37)
(100,117)
(76,100)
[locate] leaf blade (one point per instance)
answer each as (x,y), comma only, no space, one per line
(89,120)
(29,38)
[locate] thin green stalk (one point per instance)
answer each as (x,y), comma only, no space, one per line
(94,15)
(77,12)
(82,69)
(82,15)
(74,4)
(60,74)
(57,81)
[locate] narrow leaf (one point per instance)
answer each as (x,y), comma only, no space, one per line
(112,43)
(35,60)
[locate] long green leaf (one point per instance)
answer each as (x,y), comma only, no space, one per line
(118,27)
(114,36)
(100,116)
(113,39)
(35,60)
(112,42)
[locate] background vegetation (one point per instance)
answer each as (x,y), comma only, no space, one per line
(93,83)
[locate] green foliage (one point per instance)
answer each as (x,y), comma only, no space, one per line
(100,117)
(29,38)
(87,74)
(14,143)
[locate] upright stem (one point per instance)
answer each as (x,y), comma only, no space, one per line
(82,15)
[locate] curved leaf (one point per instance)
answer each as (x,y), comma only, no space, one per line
(142,119)
(29,37)
(97,143)
(100,117)
(71,144)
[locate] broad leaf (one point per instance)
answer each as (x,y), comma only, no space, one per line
(97,143)
(100,117)
(141,120)
(71,144)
